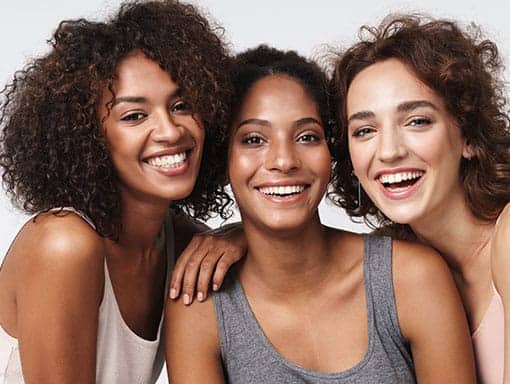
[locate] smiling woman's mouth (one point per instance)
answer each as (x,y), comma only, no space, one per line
(395,181)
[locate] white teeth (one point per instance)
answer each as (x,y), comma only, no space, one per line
(391,178)
(282,190)
(168,161)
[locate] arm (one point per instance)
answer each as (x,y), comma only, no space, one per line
(60,275)
(192,344)
(500,267)
(431,316)
(207,256)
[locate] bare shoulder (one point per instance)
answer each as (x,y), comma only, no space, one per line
(502,228)
(415,264)
(62,244)
(500,253)
(192,345)
(199,319)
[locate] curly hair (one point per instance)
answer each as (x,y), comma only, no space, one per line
(259,62)
(54,152)
(466,72)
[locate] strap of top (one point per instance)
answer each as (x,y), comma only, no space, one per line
(379,283)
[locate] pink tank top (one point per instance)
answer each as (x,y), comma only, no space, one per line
(488,343)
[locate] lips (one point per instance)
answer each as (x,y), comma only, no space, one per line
(282,190)
(168,161)
(400,184)
(395,178)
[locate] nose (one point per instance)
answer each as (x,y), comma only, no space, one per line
(167,129)
(391,145)
(283,157)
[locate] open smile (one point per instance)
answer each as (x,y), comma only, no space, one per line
(170,164)
(283,193)
(400,185)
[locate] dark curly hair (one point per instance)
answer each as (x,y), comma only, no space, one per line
(466,72)
(54,152)
(259,62)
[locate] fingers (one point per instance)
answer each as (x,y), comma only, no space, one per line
(207,268)
(180,267)
(207,256)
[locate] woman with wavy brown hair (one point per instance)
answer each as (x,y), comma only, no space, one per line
(425,154)
(103,141)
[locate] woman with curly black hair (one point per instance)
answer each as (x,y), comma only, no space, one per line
(105,139)
(424,153)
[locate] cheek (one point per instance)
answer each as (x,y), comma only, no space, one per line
(241,165)
(322,163)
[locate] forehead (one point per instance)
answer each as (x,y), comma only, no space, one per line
(278,94)
(387,84)
(136,72)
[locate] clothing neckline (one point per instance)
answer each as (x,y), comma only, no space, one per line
(262,337)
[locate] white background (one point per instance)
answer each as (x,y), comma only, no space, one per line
(304,26)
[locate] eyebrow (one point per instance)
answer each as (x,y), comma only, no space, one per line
(402,107)
(262,122)
(306,120)
(140,99)
(414,104)
(266,123)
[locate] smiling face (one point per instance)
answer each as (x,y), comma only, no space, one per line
(279,162)
(405,147)
(154,139)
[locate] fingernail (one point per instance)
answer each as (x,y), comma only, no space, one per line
(200,296)
(173,293)
(187,299)
(215,287)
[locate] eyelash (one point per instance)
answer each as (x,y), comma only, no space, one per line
(419,121)
(252,140)
(309,138)
(135,116)
(181,107)
(361,132)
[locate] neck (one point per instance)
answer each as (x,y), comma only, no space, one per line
(141,223)
(286,263)
(460,237)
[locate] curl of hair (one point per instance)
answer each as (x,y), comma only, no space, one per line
(466,72)
(53,151)
(259,62)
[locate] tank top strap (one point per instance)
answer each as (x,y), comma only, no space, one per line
(58,210)
(378,271)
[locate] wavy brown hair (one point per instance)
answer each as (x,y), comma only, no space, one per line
(466,72)
(53,151)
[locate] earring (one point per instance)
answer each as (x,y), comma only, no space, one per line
(358,187)
(359,196)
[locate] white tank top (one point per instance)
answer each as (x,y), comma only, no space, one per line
(122,356)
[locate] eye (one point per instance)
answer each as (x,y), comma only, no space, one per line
(252,139)
(362,132)
(181,107)
(419,121)
(134,116)
(309,138)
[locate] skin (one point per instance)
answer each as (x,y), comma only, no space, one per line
(296,275)
(383,137)
(52,279)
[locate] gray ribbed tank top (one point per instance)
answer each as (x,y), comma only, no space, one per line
(249,358)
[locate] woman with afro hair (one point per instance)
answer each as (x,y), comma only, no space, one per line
(107,140)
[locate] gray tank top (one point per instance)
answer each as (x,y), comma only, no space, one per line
(249,358)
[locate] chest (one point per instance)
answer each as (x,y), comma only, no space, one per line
(327,335)
(139,292)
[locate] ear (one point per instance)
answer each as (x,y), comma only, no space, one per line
(467,150)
